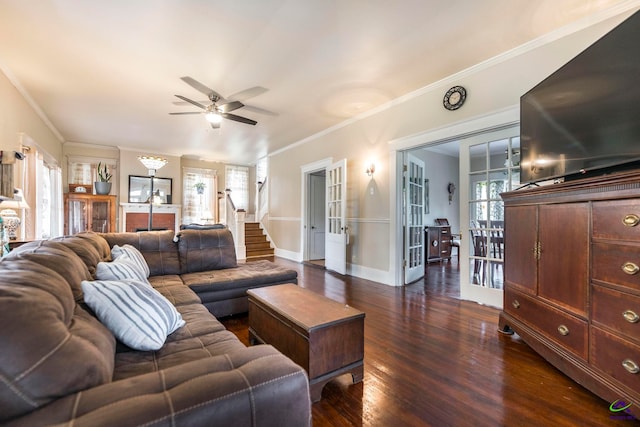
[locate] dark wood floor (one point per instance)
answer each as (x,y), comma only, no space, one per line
(434,360)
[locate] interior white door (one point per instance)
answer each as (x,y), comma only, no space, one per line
(489,163)
(317,213)
(414,188)
(336,227)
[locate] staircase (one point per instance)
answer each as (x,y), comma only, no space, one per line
(256,241)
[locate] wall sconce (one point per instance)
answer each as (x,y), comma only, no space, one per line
(451,188)
(371,169)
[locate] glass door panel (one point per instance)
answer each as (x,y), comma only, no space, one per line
(77,216)
(491,163)
(100,216)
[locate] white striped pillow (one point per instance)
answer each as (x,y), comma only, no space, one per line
(120,269)
(138,315)
(133,254)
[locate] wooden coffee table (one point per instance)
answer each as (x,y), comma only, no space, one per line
(323,336)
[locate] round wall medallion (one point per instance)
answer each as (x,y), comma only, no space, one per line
(454,98)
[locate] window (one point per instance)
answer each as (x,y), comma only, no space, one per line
(200,196)
(237,180)
(84,170)
(261,170)
(41,179)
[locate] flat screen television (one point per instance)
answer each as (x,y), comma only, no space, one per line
(584,119)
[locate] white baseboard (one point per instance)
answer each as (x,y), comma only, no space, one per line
(375,275)
(291,255)
(367,273)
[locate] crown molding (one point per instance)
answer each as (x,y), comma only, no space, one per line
(27,97)
(89,145)
(543,40)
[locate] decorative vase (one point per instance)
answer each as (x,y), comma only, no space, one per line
(102,187)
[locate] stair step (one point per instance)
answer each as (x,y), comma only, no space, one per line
(259,252)
(255,239)
(256,242)
(257,245)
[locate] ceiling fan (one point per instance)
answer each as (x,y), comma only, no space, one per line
(220,108)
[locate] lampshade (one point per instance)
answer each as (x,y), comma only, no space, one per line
(17,202)
(152,162)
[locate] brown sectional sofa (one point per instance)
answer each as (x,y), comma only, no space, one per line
(59,365)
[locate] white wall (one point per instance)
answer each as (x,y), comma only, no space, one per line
(440,170)
(17,117)
(492,87)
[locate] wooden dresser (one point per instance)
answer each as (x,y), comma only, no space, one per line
(572,280)
(438,242)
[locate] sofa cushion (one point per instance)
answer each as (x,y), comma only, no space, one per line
(201,226)
(58,257)
(85,248)
(202,250)
(43,334)
(172,288)
(134,312)
(228,280)
(174,353)
(98,242)
(157,247)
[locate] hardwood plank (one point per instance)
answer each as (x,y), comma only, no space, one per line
(433,359)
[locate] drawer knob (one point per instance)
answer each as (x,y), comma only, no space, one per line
(515,303)
(630,268)
(563,330)
(630,316)
(631,220)
(631,366)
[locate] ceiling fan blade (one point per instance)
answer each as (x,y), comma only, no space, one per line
(186,112)
(238,119)
(188,103)
(197,104)
(215,125)
(260,110)
(248,93)
(211,94)
(230,106)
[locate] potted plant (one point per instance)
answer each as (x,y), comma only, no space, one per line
(199,187)
(103,184)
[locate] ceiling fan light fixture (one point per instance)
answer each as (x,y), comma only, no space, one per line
(213,117)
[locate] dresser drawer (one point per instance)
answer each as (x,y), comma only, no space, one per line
(566,330)
(617,311)
(618,220)
(615,356)
(618,264)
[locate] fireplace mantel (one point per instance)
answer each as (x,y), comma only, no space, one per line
(136,215)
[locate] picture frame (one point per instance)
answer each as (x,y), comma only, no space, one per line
(140,186)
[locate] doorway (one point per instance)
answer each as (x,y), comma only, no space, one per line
(313,211)
(316,202)
(486,163)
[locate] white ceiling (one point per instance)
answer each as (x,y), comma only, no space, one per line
(106,71)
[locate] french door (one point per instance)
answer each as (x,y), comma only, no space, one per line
(414,193)
(336,228)
(490,164)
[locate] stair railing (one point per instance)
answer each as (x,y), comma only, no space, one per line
(262,197)
(234,219)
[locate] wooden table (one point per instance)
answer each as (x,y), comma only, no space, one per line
(323,336)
